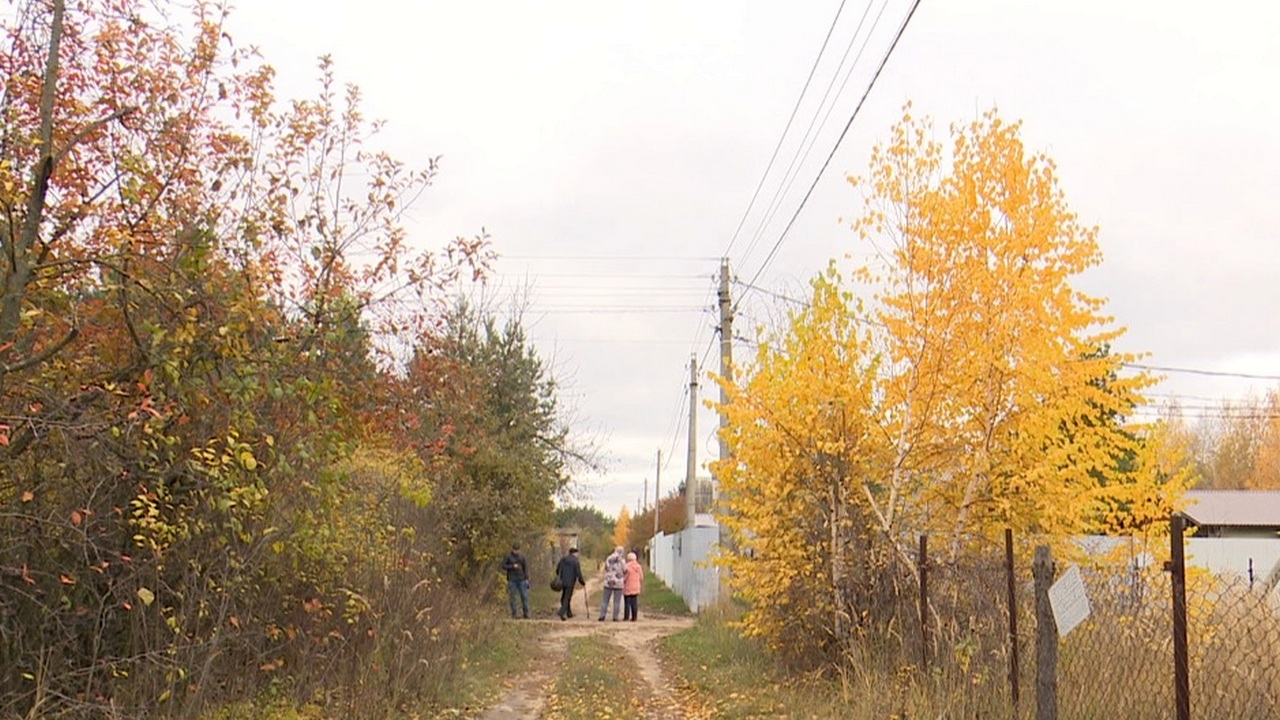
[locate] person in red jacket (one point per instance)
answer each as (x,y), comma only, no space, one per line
(634,577)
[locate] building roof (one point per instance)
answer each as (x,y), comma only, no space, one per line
(1234,508)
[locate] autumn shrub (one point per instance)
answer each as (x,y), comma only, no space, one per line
(216,482)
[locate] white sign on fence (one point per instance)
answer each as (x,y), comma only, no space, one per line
(1069,602)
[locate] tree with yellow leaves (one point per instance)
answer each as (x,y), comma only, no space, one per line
(1266,467)
(1001,395)
(800,427)
(622,528)
(977,389)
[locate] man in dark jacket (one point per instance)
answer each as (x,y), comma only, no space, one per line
(569,570)
(517,579)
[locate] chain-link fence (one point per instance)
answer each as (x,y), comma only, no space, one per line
(1233,638)
(1118,663)
(945,621)
(968,628)
(975,642)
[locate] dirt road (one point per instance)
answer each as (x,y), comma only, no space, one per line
(527,696)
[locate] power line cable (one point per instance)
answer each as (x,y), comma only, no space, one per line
(770,293)
(1158,413)
(801,303)
(675,434)
(712,289)
(811,137)
(709,304)
(622,276)
(619,258)
(614,311)
(884,61)
(785,130)
(1177,397)
(1193,371)
(711,345)
(607,284)
(600,340)
(849,73)
(800,160)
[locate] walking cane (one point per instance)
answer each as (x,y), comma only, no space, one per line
(586,602)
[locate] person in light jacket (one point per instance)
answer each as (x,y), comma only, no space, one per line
(633,578)
(615,570)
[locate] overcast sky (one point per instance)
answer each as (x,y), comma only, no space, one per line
(611,150)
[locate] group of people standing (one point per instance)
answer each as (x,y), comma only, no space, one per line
(623,577)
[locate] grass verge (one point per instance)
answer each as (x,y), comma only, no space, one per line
(719,673)
(656,597)
(592,683)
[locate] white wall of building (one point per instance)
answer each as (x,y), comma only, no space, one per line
(1235,557)
(683,562)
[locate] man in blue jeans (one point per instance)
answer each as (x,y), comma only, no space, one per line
(517,579)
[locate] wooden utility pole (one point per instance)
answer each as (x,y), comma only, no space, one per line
(691,468)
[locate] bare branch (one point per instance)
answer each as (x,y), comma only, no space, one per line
(45,354)
(91,128)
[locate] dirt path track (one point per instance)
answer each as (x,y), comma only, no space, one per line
(526,697)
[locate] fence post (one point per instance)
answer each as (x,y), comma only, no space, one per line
(1178,581)
(1046,638)
(1013,616)
(924,602)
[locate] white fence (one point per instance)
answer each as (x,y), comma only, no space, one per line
(683,562)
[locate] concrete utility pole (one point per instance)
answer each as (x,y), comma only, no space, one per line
(691,470)
(726,372)
(644,497)
(657,493)
(726,353)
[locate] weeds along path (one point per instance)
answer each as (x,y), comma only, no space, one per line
(527,695)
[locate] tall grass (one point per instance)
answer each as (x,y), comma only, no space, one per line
(656,597)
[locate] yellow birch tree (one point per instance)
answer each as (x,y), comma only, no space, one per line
(799,429)
(1002,399)
(622,528)
(977,390)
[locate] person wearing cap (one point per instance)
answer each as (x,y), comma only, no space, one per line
(569,570)
(517,579)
